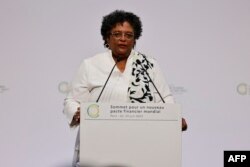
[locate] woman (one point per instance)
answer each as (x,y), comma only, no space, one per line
(135,78)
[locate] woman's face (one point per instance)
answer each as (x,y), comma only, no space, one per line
(121,39)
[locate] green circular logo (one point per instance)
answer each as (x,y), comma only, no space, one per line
(242,89)
(93,111)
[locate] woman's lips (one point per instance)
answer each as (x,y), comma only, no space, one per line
(122,46)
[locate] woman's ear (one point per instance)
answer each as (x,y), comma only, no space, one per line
(107,43)
(107,40)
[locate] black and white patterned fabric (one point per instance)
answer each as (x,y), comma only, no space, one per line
(139,90)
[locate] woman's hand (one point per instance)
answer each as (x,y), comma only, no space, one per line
(76,118)
(184,124)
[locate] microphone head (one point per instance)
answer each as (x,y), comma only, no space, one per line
(118,58)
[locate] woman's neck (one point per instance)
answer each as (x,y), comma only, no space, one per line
(120,62)
(121,65)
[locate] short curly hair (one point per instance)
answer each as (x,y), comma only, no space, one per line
(120,16)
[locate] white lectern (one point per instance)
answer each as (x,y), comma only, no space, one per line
(130,135)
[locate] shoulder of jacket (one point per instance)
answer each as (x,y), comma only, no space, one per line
(144,56)
(96,58)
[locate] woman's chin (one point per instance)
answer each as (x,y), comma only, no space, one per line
(124,52)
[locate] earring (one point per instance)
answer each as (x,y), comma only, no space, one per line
(106,45)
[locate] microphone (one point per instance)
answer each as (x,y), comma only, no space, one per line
(150,80)
(118,59)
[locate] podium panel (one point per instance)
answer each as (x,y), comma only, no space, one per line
(130,135)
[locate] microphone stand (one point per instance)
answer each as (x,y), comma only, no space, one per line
(117,60)
(184,124)
(150,80)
